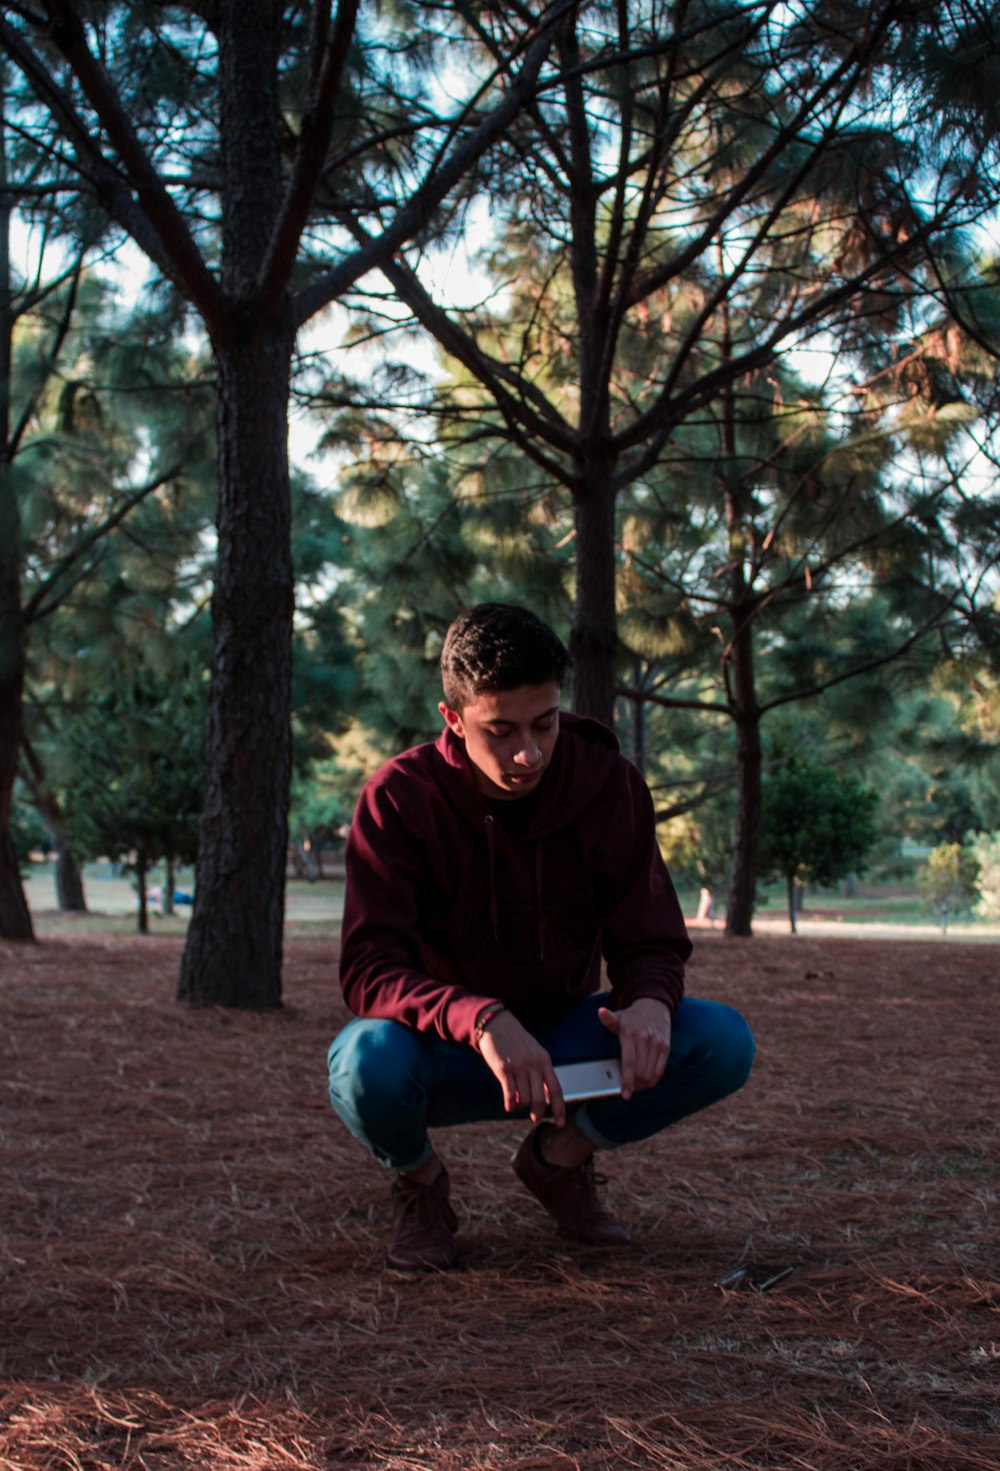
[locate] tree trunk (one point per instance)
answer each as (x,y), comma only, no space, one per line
(167,900)
(15,917)
(742,893)
(232,956)
(234,943)
(69,881)
(142,916)
(793,899)
(639,724)
(593,641)
(739,673)
(70,894)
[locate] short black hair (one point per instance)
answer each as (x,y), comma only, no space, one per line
(499,646)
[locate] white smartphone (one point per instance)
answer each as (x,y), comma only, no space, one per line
(589,1079)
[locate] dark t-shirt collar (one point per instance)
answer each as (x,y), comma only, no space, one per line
(515,817)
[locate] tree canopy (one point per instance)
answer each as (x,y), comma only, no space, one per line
(724,407)
(817,825)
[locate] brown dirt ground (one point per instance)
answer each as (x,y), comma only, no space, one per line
(191,1254)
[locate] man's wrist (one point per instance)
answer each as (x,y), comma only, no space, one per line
(656,1000)
(491,1010)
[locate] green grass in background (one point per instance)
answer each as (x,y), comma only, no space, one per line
(310,909)
(314,910)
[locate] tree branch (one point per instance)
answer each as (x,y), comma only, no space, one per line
(531,412)
(631,692)
(328,57)
(440,179)
(52,357)
(822,686)
(43,601)
(142,205)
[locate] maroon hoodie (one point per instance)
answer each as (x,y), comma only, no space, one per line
(446,911)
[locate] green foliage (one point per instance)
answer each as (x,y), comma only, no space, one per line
(818,825)
(713,826)
(985,851)
(947,881)
(115,477)
(324,795)
(446,541)
(933,752)
(132,766)
(324,672)
(681,205)
(27,829)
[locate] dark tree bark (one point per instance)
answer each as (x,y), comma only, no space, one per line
(593,641)
(69,881)
(15,917)
(142,911)
(639,726)
(167,898)
(234,945)
(746,842)
(740,680)
(70,895)
(793,903)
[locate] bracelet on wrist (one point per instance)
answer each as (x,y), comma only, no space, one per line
(495,1009)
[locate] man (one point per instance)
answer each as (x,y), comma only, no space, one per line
(488,876)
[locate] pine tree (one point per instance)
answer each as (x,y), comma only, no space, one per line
(283,126)
(133,765)
(818,825)
(73,468)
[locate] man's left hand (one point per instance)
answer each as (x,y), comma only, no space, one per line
(643,1032)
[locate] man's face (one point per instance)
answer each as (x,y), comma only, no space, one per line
(509,736)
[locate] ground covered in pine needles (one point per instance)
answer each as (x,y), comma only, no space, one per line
(192,1248)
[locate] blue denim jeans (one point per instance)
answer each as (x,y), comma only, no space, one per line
(390,1084)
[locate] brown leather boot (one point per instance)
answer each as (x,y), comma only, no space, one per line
(569,1195)
(425,1225)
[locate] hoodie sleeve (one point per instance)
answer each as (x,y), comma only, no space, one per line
(381,968)
(645,940)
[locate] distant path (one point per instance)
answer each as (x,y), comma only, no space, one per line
(814,929)
(323,902)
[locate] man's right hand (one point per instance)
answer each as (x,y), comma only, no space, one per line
(523,1069)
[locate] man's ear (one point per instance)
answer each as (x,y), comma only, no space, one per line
(452,720)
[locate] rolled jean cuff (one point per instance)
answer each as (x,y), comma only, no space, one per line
(409,1168)
(583,1122)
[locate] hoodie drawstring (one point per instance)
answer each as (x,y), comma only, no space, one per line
(538,901)
(491,848)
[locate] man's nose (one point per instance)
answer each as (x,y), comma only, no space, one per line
(529,754)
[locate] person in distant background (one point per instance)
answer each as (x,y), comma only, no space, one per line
(489,874)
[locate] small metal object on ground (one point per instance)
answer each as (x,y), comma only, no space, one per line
(755,1279)
(732,1279)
